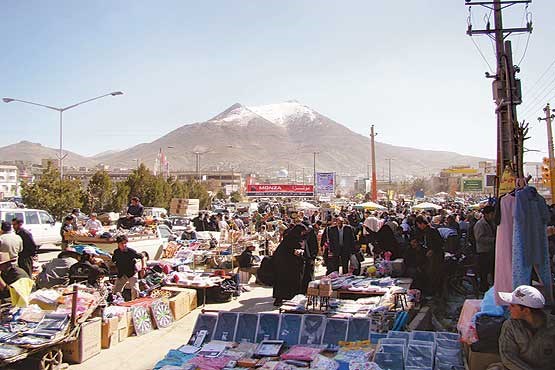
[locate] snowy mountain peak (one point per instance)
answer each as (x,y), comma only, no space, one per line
(237,114)
(285,113)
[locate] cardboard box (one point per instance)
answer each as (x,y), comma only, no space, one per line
(183,301)
(481,360)
(130,327)
(123,333)
(109,336)
(87,344)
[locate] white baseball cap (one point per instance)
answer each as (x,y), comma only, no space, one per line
(524,295)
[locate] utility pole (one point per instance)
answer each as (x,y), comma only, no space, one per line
(314,176)
(548,117)
(374,184)
(389,166)
(506,88)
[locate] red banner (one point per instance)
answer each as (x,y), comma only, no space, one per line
(278,190)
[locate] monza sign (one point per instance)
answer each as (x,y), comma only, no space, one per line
(279,190)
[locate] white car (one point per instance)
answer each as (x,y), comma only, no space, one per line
(40,223)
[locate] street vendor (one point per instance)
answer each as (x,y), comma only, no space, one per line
(67,226)
(527,340)
(56,271)
(126,263)
(134,215)
(189,234)
(247,262)
(89,269)
(9,274)
(93,225)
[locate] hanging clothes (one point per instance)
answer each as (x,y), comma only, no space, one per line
(530,247)
(503,281)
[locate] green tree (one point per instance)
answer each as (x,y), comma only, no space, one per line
(196,190)
(120,197)
(99,192)
(236,197)
(220,194)
(56,196)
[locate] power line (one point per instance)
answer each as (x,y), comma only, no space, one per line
(525,50)
(482,54)
(542,76)
(539,97)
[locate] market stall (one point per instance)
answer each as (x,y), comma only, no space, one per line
(426,206)
(370,206)
(268,341)
(48,328)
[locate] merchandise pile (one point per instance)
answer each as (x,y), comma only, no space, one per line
(229,340)
(48,318)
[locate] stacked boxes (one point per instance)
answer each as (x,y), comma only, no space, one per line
(184,206)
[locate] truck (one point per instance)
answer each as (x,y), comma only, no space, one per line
(151,245)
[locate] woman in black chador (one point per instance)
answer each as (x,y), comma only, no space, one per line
(288,264)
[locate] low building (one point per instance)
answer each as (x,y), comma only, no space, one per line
(9,181)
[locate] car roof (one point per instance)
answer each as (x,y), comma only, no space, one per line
(20,209)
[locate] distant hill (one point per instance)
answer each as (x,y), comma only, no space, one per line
(35,153)
(266,139)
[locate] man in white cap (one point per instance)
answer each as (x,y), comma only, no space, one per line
(527,340)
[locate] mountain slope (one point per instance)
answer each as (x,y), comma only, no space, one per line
(271,137)
(33,152)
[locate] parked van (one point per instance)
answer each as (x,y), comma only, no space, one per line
(40,223)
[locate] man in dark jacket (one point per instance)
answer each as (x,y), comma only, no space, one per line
(25,258)
(341,245)
(484,236)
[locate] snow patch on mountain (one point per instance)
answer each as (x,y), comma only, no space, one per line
(237,114)
(284,113)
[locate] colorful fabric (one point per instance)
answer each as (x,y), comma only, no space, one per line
(530,246)
(503,281)
(20,292)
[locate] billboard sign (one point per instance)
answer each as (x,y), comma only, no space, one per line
(325,182)
(279,190)
(472,185)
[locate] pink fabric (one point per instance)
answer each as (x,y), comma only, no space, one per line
(504,249)
(465,326)
(301,353)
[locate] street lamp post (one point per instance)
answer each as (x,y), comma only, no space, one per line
(61,155)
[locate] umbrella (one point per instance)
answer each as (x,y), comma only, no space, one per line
(306,206)
(427,205)
(442,194)
(370,206)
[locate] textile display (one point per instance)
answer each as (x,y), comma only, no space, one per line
(20,292)
(268,325)
(503,281)
(246,327)
(227,323)
(530,246)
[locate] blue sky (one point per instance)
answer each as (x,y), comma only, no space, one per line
(405,66)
